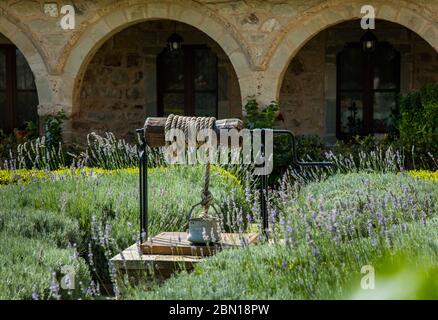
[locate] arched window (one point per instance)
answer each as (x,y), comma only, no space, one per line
(18,94)
(187,81)
(368,84)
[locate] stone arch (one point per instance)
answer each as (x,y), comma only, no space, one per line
(310,24)
(188,12)
(34,58)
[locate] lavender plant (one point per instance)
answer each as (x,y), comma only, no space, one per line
(36,154)
(110,152)
(321,235)
(98,210)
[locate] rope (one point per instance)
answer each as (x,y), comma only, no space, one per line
(195,123)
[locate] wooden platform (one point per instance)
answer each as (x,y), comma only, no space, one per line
(176,244)
(170,252)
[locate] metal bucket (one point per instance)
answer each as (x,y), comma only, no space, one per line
(204,230)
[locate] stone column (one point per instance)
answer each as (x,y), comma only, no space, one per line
(55,93)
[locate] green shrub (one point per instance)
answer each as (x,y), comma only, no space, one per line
(53,129)
(258,117)
(310,147)
(113,197)
(110,153)
(305,271)
(40,224)
(324,234)
(360,204)
(49,153)
(29,268)
(105,206)
(37,154)
(418,124)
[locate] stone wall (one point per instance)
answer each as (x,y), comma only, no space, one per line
(302,92)
(308,92)
(424,62)
(259,37)
(119,87)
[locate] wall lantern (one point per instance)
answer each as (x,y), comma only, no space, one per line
(368,41)
(174,42)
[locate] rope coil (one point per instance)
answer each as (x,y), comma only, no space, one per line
(186,124)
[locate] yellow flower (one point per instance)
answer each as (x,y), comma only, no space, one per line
(424,174)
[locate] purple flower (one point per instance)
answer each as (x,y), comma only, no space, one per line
(380,218)
(284,264)
(273,214)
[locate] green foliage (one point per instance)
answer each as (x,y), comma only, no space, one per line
(425,174)
(360,205)
(10,142)
(7,142)
(364,144)
(98,209)
(310,147)
(324,234)
(35,152)
(418,124)
(107,152)
(329,271)
(53,129)
(31,269)
(32,130)
(38,224)
(111,153)
(257,117)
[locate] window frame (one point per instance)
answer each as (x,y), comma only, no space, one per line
(10,87)
(367,92)
(189,90)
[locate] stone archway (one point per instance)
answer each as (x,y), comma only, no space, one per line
(324,16)
(35,60)
(133,75)
(123,16)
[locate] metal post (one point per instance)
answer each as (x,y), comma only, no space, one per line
(264,190)
(143,180)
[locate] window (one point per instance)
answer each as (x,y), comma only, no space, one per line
(187,82)
(368,84)
(18,95)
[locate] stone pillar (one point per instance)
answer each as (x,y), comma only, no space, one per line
(55,94)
